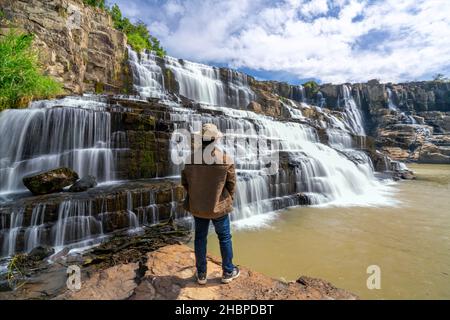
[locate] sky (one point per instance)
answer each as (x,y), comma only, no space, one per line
(297,40)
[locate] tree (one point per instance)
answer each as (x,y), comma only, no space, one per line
(439,77)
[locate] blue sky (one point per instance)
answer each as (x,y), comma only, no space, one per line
(297,40)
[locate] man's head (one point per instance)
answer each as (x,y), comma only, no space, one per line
(209,134)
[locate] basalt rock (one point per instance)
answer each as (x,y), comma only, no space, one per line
(50,181)
(40,253)
(101,210)
(430,153)
(83,184)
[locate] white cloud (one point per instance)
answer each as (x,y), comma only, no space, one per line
(335,41)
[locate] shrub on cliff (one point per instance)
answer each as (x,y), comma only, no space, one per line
(311,86)
(21,77)
(138,36)
(96,3)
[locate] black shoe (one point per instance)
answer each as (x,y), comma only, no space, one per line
(201,278)
(230,276)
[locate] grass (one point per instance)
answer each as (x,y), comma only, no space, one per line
(15,273)
(21,76)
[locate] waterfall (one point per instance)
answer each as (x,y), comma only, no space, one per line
(69,132)
(147,75)
(408,119)
(326,174)
(10,236)
(391,104)
(352,112)
(199,82)
(76,132)
(33,234)
(80,221)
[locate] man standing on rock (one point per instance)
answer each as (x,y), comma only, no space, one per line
(210,181)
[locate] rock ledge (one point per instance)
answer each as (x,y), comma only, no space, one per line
(170,274)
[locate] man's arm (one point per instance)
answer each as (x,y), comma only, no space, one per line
(230,184)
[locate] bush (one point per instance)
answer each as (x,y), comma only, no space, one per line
(139,37)
(21,77)
(96,3)
(311,86)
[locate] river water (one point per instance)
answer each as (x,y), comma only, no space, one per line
(410,242)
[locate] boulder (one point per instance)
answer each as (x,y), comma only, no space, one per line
(255,107)
(50,181)
(407,175)
(434,157)
(40,253)
(83,184)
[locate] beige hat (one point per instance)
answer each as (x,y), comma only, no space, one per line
(209,132)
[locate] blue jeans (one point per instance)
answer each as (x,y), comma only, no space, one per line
(222,227)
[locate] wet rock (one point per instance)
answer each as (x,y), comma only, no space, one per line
(40,253)
(407,175)
(396,153)
(303,199)
(434,157)
(255,107)
(83,184)
(50,181)
(430,153)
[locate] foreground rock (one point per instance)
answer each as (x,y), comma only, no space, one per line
(50,181)
(84,184)
(170,274)
(116,265)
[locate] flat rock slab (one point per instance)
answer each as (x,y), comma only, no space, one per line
(115,283)
(171,275)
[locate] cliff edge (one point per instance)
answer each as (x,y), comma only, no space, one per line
(77,44)
(170,274)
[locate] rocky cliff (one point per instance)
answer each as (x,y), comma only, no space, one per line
(409,121)
(165,274)
(77,43)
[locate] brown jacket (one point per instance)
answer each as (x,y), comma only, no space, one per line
(210,187)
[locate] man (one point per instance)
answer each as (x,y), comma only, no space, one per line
(210,182)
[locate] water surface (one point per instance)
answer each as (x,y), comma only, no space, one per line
(410,242)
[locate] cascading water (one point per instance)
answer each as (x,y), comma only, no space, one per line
(341,176)
(324,174)
(352,112)
(199,82)
(392,106)
(76,132)
(69,132)
(80,221)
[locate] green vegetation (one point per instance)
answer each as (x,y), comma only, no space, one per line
(311,86)
(15,272)
(139,38)
(440,78)
(21,76)
(96,3)
(2,15)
